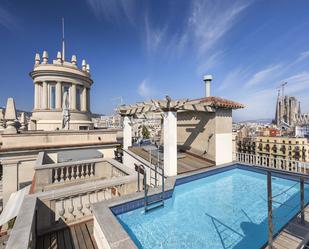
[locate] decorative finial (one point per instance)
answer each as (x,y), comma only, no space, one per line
(45,57)
(23,122)
(74,60)
(37,59)
(88,68)
(59,58)
(10,117)
(84,65)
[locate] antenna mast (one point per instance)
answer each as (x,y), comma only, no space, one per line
(63,46)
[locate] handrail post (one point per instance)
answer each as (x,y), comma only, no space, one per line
(156,168)
(163,194)
(270,211)
(302,201)
(145,189)
(138,180)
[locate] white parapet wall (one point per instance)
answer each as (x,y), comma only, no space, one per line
(224,148)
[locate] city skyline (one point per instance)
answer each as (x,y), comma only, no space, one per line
(150,49)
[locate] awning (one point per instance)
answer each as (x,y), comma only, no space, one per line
(12,207)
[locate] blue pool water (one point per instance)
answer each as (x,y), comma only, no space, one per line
(225,210)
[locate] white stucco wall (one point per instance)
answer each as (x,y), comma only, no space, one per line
(224,148)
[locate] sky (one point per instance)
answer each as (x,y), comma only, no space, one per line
(143,49)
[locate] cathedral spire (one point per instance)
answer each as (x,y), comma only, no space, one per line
(277,117)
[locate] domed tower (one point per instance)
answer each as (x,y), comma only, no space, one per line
(51,80)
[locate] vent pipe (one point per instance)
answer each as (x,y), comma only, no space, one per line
(207,79)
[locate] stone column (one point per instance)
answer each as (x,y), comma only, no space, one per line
(9,179)
(88,99)
(36,96)
(84,100)
(44,96)
(58,95)
(127,140)
(127,132)
(170,143)
(73,98)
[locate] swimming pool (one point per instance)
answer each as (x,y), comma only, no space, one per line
(224,210)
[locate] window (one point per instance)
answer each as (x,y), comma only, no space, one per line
(78,94)
(52,97)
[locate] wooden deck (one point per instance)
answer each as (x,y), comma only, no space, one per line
(186,163)
(190,163)
(78,236)
(294,235)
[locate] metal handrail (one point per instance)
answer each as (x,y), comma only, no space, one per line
(145,164)
(139,167)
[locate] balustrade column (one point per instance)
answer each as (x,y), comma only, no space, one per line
(44,96)
(58,95)
(73,98)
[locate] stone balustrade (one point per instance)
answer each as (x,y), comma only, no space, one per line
(73,202)
(58,207)
(55,175)
(74,207)
(271,162)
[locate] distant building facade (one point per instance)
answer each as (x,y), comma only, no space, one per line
(290,148)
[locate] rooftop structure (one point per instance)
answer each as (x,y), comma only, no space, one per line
(51,81)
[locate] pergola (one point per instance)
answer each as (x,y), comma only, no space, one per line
(168,109)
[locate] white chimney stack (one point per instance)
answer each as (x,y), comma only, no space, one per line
(207,79)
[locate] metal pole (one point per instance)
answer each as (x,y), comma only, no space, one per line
(163,186)
(156,172)
(145,190)
(270,211)
(302,202)
(138,179)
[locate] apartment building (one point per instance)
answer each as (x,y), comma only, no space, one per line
(291,148)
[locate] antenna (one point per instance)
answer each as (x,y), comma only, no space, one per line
(63,47)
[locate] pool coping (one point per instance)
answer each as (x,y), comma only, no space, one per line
(114,236)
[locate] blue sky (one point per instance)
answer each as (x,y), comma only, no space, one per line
(141,49)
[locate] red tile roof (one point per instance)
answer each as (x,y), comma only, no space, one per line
(220,102)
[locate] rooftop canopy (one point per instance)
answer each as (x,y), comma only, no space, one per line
(207,104)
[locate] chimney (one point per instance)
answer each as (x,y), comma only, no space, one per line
(207,79)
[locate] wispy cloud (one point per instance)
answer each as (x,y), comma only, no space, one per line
(210,61)
(233,78)
(145,90)
(297,83)
(112,10)
(7,20)
(154,37)
(209,21)
(263,75)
